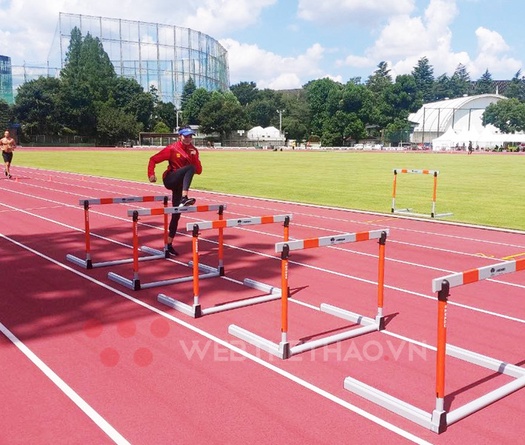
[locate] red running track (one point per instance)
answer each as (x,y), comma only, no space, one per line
(86,360)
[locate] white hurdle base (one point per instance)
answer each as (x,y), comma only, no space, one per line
(196,310)
(283,349)
(422,215)
(438,420)
(135,284)
(389,402)
(88,264)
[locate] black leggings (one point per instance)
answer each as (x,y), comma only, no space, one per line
(177,181)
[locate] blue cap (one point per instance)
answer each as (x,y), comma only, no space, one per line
(186,132)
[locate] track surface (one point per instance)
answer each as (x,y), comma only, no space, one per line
(86,360)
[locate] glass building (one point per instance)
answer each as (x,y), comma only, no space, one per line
(6,80)
(164,56)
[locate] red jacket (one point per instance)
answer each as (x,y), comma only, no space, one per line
(178,155)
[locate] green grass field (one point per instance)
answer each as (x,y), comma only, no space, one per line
(485,189)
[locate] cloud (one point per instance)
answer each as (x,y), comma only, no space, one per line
(405,39)
(492,50)
(269,70)
(221,16)
(343,12)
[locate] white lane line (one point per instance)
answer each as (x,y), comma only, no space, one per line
(103,424)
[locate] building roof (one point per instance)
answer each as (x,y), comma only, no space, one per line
(460,113)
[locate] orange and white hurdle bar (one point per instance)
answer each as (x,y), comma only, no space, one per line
(86,203)
(134,283)
(435,174)
(283,349)
(196,310)
(439,419)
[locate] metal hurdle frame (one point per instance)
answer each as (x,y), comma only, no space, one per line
(134,283)
(88,263)
(283,349)
(196,310)
(433,213)
(439,419)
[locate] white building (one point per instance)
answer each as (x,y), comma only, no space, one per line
(456,122)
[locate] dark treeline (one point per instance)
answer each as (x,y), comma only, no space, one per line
(89,100)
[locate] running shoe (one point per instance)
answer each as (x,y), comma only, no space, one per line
(171,250)
(185,201)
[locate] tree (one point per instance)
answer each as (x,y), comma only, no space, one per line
(245,92)
(114,125)
(261,112)
(87,78)
(516,88)
(320,93)
(37,107)
(222,114)
(296,119)
(129,96)
(508,115)
(380,79)
(187,91)
(460,84)
(423,74)
(442,88)
(484,84)
(193,106)
(165,113)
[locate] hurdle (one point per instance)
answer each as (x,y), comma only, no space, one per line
(283,349)
(196,310)
(134,283)
(88,263)
(439,419)
(433,213)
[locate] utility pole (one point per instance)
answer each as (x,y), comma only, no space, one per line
(280,112)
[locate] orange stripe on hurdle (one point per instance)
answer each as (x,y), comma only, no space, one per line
(470,276)
(311,242)
(148,198)
(158,211)
(362,236)
(404,170)
(266,219)
(426,172)
(106,200)
(520,264)
(203,208)
(219,224)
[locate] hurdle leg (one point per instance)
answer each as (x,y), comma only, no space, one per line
(394,183)
(434,195)
(284,345)
(439,420)
(380,319)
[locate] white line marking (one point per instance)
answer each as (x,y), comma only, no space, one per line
(65,388)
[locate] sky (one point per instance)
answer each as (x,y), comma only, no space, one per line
(283,44)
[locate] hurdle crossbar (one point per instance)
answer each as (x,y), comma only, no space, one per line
(134,283)
(88,263)
(433,213)
(196,310)
(283,349)
(439,419)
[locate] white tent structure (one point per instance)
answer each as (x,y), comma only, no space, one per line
(453,123)
(264,134)
(485,139)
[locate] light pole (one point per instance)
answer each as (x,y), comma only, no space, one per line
(177,119)
(280,121)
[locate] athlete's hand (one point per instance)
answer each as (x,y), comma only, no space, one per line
(152,178)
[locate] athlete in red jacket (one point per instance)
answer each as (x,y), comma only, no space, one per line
(183,163)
